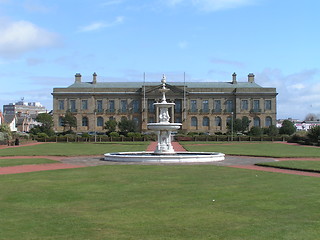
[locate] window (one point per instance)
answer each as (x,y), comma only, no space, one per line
(205,122)
(85,122)
(84,104)
(178,120)
(256,105)
(61,104)
(100,121)
(111,106)
(73,105)
(194,122)
(123,106)
(267,104)
(136,121)
(228,122)
(256,122)
(151,120)
(99,106)
(244,105)
(205,106)
(61,122)
(178,106)
(112,118)
(218,121)
(217,105)
(268,121)
(229,106)
(135,106)
(151,108)
(193,106)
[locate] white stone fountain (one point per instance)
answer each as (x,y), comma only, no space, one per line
(164,151)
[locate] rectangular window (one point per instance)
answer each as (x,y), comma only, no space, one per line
(123,106)
(135,106)
(229,106)
(267,104)
(178,106)
(217,105)
(111,106)
(61,104)
(84,104)
(256,105)
(99,106)
(73,106)
(151,108)
(205,106)
(244,105)
(193,107)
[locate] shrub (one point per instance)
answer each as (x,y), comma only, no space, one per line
(314,134)
(134,134)
(42,135)
(256,131)
(114,134)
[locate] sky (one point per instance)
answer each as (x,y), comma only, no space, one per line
(44,43)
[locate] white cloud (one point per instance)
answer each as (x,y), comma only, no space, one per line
(299,93)
(35,6)
(211,5)
(23,36)
(100,25)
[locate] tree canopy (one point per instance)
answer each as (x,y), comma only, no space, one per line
(287,128)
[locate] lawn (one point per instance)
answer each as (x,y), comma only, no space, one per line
(24,161)
(73,149)
(265,149)
(312,166)
(159,202)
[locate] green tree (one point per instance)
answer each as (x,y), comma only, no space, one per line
(272,131)
(287,128)
(6,132)
(69,121)
(111,125)
(314,134)
(46,124)
(256,131)
(126,126)
(245,124)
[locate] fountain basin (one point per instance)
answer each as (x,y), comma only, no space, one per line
(164,126)
(177,157)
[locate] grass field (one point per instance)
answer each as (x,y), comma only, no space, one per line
(24,161)
(265,149)
(73,149)
(159,202)
(313,166)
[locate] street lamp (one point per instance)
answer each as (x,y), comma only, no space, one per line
(232,126)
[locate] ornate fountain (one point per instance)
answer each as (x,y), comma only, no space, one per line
(164,151)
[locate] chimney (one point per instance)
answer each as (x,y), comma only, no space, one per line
(94,79)
(234,78)
(251,78)
(77,78)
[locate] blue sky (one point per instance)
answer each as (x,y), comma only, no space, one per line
(44,43)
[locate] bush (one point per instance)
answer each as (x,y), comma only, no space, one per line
(42,135)
(314,134)
(114,134)
(134,134)
(256,131)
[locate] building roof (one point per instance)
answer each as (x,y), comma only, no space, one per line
(8,118)
(188,84)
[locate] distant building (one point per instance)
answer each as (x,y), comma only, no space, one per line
(300,125)
(11,120)
(199,106)
(1,118)
(24,114)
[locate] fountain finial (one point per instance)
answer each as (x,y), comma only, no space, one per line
(164,79)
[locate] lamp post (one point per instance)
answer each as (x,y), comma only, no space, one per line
(231,126)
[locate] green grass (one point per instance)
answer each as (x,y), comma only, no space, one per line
(312,166)
(24,161)
(265,149)
(159,202)
(73,149)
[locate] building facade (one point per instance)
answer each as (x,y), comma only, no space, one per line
(199,106)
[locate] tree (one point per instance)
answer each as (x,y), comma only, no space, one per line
(256,131)
(6,132)
(287,128)
(311,117)
(69,121)
(126,126)
(46,124)
(245,124)
(272,131)
(111,125)
(314,134)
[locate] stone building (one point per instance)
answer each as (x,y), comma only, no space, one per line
(199,106)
